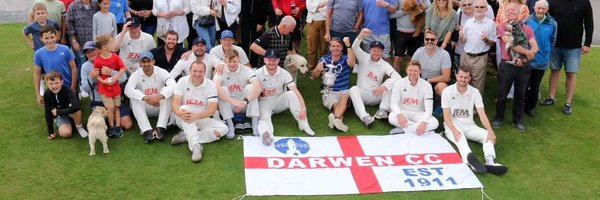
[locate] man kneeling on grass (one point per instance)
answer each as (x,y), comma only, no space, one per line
(194,103)
(458,101)
(61,105)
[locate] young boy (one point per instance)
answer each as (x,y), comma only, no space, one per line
(108,87)
(104,22)
(53,57)
(62,106)
(40,13)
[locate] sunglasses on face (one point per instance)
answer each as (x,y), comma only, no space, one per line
(480,7)
(467,4)
(430,39)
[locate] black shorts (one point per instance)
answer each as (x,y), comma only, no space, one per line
(296,35)
(406,44)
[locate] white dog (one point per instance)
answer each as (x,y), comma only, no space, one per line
(97,129)
(296,61)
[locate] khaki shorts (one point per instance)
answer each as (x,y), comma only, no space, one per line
(111,101)
(333,97)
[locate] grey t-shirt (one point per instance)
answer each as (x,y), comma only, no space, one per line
(431,66)
(345,14)
(104,23)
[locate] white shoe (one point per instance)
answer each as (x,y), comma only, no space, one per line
(197,152)
(306,128)
(397,130)
(179,138)
(340,125)
(82,132)
(368,121)
(331,118)
(381,114)
(83,94)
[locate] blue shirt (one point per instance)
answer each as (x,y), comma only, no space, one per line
(342,69)
(118,8)
(376,17)
(545,36)
(34,29)
(57,59)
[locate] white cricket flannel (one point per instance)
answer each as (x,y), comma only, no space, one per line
(461,106)
(417,98)
(218,52)
(235,81)
(140,85)
(183,66)
(196,97)
(273,85)
(473,30)
(131,50)
(371,73)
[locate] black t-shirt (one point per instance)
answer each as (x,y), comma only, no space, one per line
(160,59)
(138,5)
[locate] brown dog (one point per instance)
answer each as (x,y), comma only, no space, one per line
(97,129)
(417,15)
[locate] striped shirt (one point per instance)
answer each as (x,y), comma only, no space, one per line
(273,40)
(341,69)
(78,20)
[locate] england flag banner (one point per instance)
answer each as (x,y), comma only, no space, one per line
(353,165)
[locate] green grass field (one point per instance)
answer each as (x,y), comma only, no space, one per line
(557,158)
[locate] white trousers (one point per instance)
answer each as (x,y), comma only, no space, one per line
(226,108)
(474,133)
(204,130)
(142,110)
(361,97)
(414,119)
(274,105)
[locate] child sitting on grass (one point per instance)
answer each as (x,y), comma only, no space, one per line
(61,106)
(108,87)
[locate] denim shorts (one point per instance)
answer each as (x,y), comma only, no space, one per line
(62,119)
(570,58)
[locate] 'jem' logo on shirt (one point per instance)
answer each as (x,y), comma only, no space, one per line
(372,76)
(151,91)
(409,101)
(194,102)
(133,55)
(234,88)
(460,113)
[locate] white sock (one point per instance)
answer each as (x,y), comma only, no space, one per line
(254,122)
(230,125)
(82,132)
(489,160)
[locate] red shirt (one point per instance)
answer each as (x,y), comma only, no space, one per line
(67,3)
(115,63)
(286,7)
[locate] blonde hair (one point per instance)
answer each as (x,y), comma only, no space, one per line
(437,12)
(39,6)
(231,53)
(520,2)
(102,40)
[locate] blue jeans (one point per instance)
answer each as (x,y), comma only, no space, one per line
(570,58)
(208,34)
(150,29)
(341,35)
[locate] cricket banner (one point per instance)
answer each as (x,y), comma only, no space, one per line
(353,165)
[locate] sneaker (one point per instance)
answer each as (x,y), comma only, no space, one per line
(111,132)
(530,113)
(84,94)
(547,102)
(520,127)
(306,128)
(497,123)
(160,133)
(82,132)
(147,135)
(381,114)
(368,121)
(239,128)
(197,152)
(267,139)
(179,138)
(397,130)
(118,131)
(475,164)
(496,169)
(568,109)
(331,117)
(247,127)
(339,124)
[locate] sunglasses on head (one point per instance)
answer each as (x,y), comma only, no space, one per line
(430,39)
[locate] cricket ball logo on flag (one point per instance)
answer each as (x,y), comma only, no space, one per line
(292,146)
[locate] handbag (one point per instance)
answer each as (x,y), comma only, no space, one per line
(206,21)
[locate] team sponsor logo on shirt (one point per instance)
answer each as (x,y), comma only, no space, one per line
(372,76)
(234,88)
(460,113)
(133,55)
(195,102)
(410,101)
(151,91)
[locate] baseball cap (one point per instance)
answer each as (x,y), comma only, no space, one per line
(376,44)
(199,40)
(147,54)
(271,54)
(226,34)
(89,45)
(135,21)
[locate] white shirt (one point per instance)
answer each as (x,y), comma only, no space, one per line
(461,105)
(315,13)
(196,98)
(178,23)
(183,66)
(273,85)
(140,85)
(417,98)
(132,49)
(217,51)
(235,81)
(371,73)
(231,11)
(473,30)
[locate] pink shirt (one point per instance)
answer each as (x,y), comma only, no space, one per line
(502,28)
